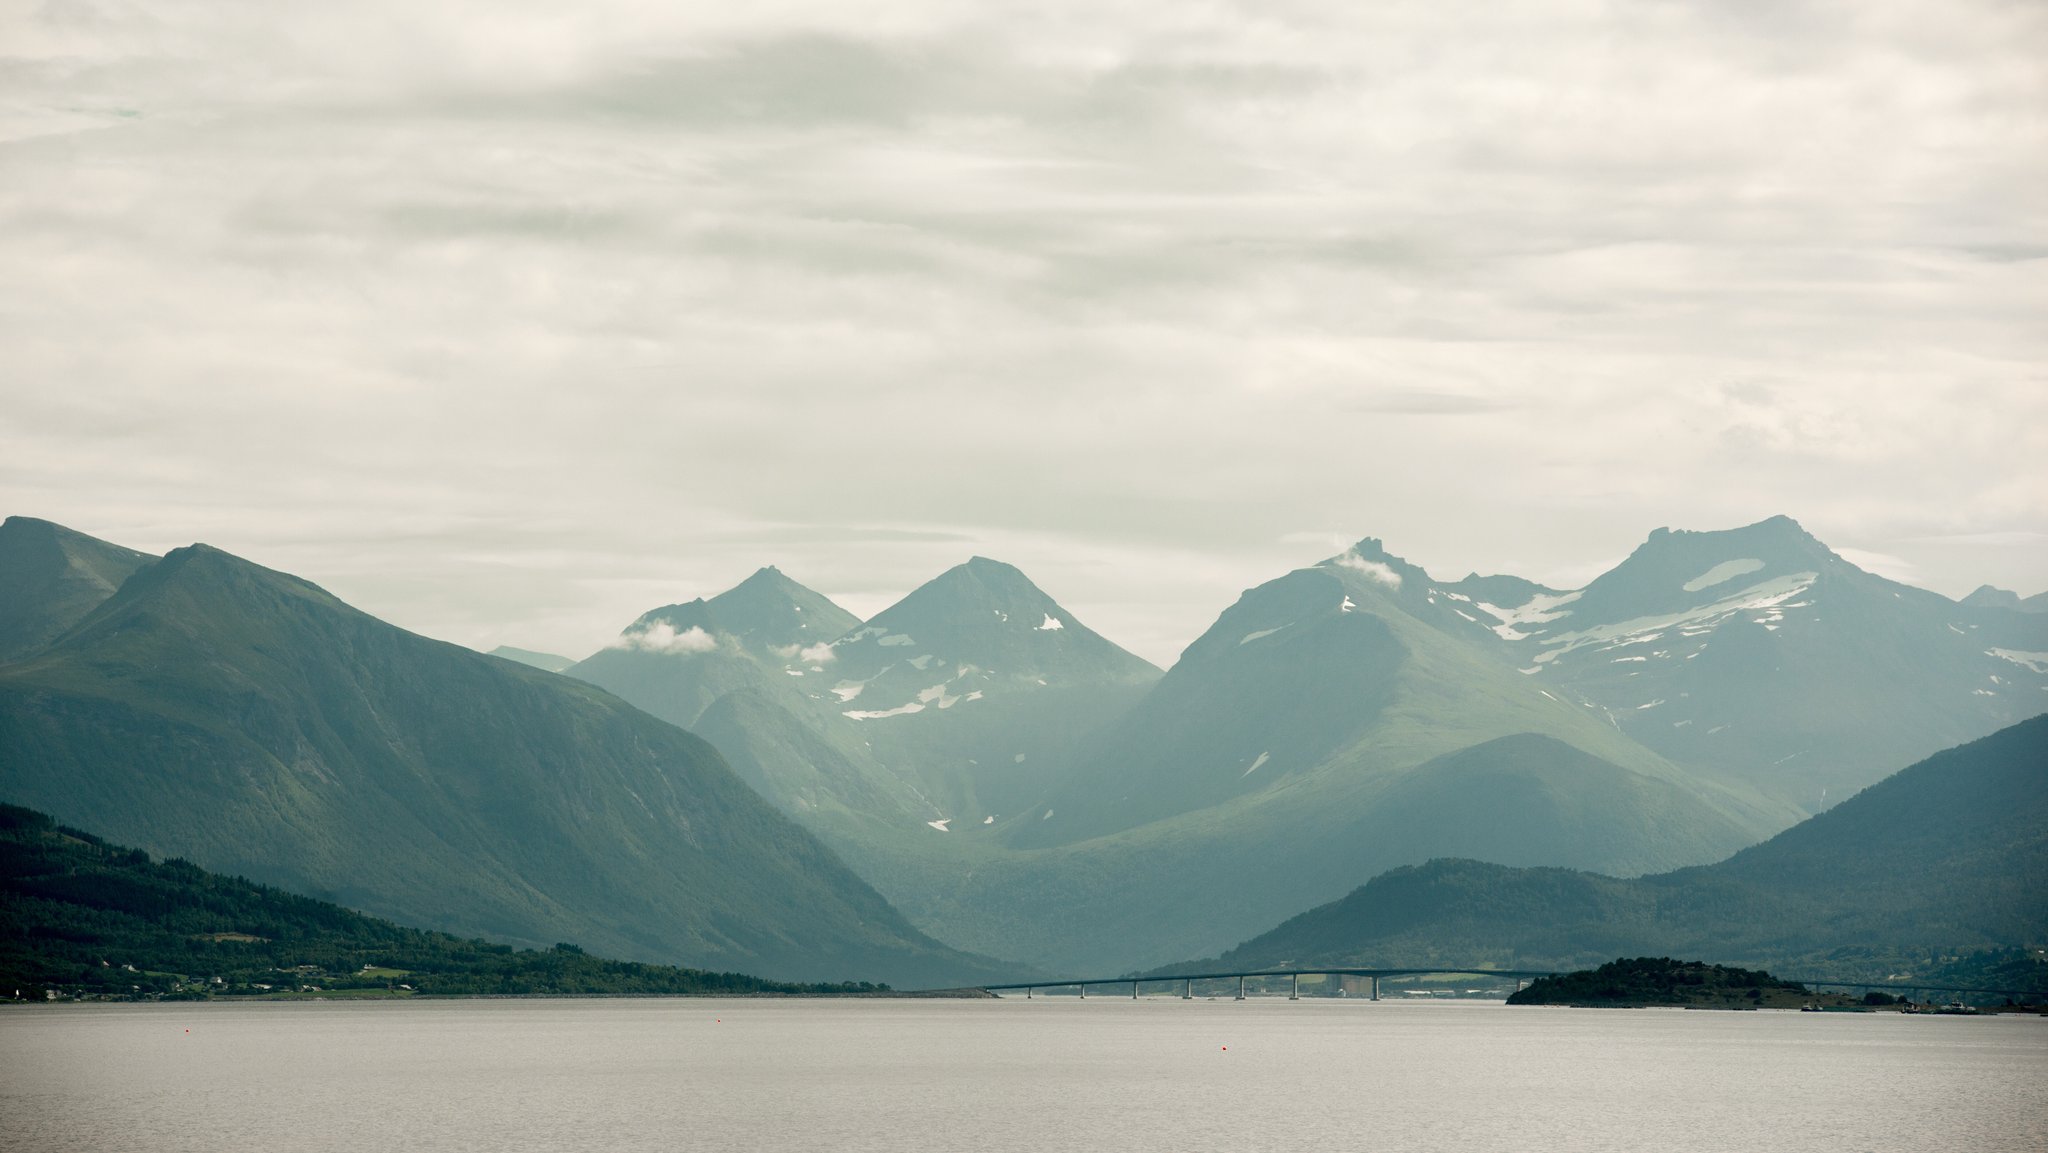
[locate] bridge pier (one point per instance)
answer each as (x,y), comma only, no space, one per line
(1240,988)
(1375,988)
(1084,992)
(1294,991)
(1187,990)
(1027,993)
(1134,990)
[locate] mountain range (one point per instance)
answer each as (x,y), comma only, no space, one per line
(1948,854)
(975,765)
(1337,721)
(250,722)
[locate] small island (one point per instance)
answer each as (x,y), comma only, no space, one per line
(1640,982)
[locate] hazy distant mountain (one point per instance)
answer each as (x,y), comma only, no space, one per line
(1757,655)
(749,670)
(50,577)
(1323,683)
(1362,713)
(547,661)
(907,739)
(1325,725)
(250,722)
(1987,597)
(980,684)
(675,660)
(949,706)
(1951,853)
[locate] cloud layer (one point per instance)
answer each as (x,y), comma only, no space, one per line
(508,323)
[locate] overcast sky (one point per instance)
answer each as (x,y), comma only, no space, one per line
(507,322)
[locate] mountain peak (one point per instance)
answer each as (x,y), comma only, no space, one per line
(979,586)
(766,611)
(1779,532)
(1374,549)
(1993,597)
(987,614)
(51,577)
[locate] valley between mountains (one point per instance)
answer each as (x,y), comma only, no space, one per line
(974,782)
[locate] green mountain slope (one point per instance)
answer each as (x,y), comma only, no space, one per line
(1951,853)
(905,741)
(80,917)
(248,721)
(50,578)
(548,662)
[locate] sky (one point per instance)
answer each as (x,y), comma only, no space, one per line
(507,322)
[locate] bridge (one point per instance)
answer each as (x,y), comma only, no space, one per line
(1186,981)
(1294,976)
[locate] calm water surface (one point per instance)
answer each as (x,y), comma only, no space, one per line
(1010,1075)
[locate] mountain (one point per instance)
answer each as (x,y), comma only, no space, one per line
(952,704)
(904,741)
(1759,657)
(83,918)
(676,660)
(548,662)
(1335,679)
(1987,597)
(250,722)
(1326,727)
(1949,854)
(1362,713)
(980,685)
(50,578)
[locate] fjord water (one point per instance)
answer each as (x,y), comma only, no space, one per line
(1011,1075)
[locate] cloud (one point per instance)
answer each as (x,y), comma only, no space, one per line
(662,637)
(416,301)
(2012,539)
(1382,573)
(1426,402)
(1883,564)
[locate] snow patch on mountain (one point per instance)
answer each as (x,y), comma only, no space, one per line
(1765,595)
(1727,570)
(2038,662)
(1052,624)
(878,714)
(1250,637)
(1263,758)
(1540,609)
(847,690)
(937,695)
